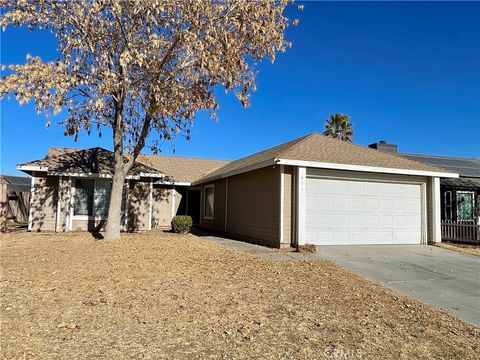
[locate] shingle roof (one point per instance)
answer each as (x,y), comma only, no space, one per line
(467,167)
(89,161)
(319,148)
(181,169)
(16,183)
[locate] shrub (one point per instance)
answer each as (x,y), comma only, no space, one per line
(307,248)
(181,224)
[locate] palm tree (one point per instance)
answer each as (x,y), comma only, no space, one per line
(338,126)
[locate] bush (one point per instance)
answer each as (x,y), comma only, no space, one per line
(181,224)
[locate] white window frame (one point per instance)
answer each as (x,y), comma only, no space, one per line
(86,217)
(209,186)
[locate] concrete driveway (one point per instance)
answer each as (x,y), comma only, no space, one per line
(443,278)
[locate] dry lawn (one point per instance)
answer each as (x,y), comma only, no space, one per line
(462,248)
(179,297)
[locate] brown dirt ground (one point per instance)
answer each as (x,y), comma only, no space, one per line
(463,248)
(179,296)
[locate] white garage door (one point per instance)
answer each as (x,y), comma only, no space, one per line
(342,212)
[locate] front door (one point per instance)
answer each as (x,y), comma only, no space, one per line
(193,208)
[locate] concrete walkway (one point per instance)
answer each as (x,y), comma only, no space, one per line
(439,277)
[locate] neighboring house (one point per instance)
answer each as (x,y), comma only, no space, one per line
(310,190)
(460,198)
(16,197)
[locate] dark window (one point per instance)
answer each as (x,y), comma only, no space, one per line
(209,192)
(447,201)
(83,204)
(92,197)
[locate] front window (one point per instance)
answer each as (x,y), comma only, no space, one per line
(209,193)
(83,204)
(92,197)
(465,205)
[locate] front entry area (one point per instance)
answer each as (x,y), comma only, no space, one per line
(362,211)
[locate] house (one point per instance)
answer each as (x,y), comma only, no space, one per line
(15,199)
(313,189)
(459,197)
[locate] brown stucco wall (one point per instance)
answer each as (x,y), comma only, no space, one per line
(44,203)
(218,221)
(253,207)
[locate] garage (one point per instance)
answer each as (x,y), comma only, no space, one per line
(362,211)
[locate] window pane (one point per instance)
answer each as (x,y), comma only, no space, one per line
(209,201)
(102,197)
(83,201)
(464,205)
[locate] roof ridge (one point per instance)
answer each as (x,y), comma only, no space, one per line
(371,150)
(300,140)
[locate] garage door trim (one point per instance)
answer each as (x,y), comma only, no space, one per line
(302,181)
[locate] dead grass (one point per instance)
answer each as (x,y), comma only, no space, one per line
(463,248)
(179,296)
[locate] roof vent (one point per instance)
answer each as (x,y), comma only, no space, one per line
(384,146)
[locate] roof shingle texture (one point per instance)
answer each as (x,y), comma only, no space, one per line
(89,161)
(319,148)
(181,169)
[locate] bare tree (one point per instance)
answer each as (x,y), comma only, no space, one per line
(141,67)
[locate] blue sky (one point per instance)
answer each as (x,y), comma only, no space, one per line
(405,72)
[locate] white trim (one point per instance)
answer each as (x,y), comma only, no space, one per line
(178,183)
(102,176)
(150,205)
(32,168)
(375,169)
(205,199)
(226,203)
(436,212)
(89,217)
(301,201)
(282,202)
(70,203)
(173,201)
(127,204)
(59,203)
(263,164)
(32,195)
(424,212)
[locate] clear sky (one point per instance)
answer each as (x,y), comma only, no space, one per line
(405,72)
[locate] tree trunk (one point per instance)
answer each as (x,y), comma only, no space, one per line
(115,207)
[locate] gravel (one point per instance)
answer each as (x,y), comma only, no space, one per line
(167,296)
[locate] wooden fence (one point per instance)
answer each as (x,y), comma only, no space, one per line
(467,232)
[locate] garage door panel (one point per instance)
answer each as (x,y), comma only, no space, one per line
(362,212)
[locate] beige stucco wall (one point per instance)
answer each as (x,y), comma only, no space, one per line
(139,211)
(44,203)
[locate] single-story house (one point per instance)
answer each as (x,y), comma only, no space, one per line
(459,197)
(313,189)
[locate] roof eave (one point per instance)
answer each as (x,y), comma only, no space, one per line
(365,168)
